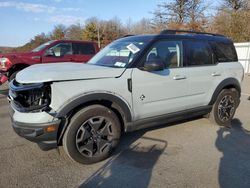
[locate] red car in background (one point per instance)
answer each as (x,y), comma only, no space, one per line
(49,52)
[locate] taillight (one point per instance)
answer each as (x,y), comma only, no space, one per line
(5,63)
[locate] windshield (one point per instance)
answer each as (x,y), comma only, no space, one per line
(118,54)
(42,46)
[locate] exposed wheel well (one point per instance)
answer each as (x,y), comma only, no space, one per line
(231,87)
(230,83)
(109,104)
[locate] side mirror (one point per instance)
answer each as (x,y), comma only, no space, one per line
(154,65)
(50,52)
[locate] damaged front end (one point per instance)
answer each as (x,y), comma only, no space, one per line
(30,97)
(30,113)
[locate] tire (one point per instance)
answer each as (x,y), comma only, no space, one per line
(224,107)
(92,134)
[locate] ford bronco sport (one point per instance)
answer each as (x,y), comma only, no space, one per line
(133,83)
(52,51)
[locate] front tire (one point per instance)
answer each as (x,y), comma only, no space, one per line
(92,134)
(224,107)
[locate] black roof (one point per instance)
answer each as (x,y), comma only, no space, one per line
(170,35)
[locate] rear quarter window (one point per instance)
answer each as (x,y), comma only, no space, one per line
(198,53)
(224,52)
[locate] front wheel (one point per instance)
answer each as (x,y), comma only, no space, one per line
(92,134)
(224,107)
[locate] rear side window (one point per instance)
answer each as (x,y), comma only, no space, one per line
(224,52)
(199,53)
(83,49)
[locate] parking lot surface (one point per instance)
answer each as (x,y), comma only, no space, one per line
(192,153)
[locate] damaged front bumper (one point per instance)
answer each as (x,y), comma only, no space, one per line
(44,134)
(29,106)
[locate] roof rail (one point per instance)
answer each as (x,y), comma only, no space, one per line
(127,36)
(170,31)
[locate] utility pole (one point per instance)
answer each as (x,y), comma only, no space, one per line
(98,35)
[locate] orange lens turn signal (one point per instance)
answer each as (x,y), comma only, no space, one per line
(50,128)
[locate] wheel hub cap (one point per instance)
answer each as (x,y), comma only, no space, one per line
(226,108)
(94,136)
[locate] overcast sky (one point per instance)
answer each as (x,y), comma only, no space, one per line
(22,20)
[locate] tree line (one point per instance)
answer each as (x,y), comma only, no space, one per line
(230,18)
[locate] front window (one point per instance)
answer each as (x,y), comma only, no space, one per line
(118,54)
(59,50)
(169,53)
(42,46)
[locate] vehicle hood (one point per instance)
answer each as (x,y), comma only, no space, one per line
(17,54)
(26,57)
(65,71)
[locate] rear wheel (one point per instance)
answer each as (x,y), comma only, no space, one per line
(224,108)
(92,134)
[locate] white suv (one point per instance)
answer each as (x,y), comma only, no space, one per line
(133,83)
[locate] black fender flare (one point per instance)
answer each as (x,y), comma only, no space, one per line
(117,103)
(227,83)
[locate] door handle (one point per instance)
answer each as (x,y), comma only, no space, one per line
(178,77)
(216,74)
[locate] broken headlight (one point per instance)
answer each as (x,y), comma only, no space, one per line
(30,97)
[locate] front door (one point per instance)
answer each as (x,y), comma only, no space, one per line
(61,52)
(160,92)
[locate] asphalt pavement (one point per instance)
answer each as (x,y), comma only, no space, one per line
(193,153)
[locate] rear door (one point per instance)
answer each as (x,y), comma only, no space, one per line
(61,52)
(83,52)
(203,72)
(160,92)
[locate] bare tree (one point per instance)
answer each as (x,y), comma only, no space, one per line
(58,32)
(196,15)
(235,5)
(113,29)
(233,20)
(170,12)
(143,26)
(75,32)
(181,14)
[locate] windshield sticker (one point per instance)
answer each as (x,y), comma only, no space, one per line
(120,64)
(133,48)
